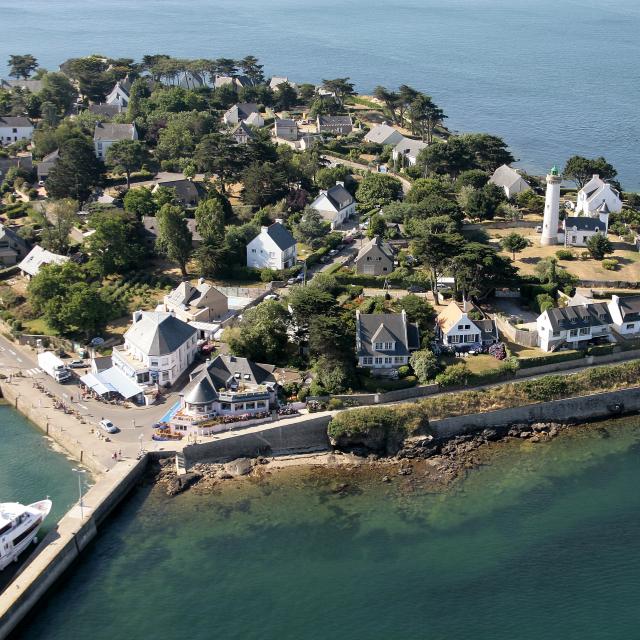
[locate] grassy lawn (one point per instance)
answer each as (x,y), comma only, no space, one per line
(481,363)
(38,327)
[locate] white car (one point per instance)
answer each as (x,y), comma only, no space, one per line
(108,426)
(271,296)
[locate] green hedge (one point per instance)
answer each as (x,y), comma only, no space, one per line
(560,356)
(600,350)
(531,291)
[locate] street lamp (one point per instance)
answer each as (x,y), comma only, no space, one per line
(80,473)
(140,441)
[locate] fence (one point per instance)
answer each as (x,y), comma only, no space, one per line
(515,335)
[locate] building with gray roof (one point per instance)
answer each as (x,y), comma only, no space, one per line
(12,247)
(158,348)
(375,258)
(106,133)
(335,205)
(384,341)
(336,125)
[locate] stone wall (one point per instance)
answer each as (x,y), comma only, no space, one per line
(306,433)
(580,409)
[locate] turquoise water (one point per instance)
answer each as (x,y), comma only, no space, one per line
(554,77)
(543,543)
(31,470)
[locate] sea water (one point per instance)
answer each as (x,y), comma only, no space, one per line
(541,542)
(553,77)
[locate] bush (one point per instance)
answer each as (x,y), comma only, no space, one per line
(335,403)
(547,388)
(455,375)
(544,302)
(610,264)
(404,371)
(565,254)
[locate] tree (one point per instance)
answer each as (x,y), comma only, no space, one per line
(261,335)
(210,215)
(332,375)
(285,96)
(333,336)
(514,243)
(90,72)
(174,238)
(252,69)
(117,244)
(478,268)
(377,226)
(389,99)
(22,66)
(489,152)
(126,156)
(308,302)
(57,88)
(263,184)
(218,154)
(341,88)
(451,157)
(599,246)
(423,188)
(51,282)
(475,178)
(76,173)
(418,310)
(311,227)
(425,365)
(378,189)
(140,202)
(436,252)
(328,176)
(579,170)
(55,235)
(482,203)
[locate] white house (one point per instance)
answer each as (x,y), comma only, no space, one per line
(158,348)
(240,112)
(578,229)
(14,128)
(225,386)
(242,133)
(105,134)
(254,120)
(510,180)
(335,205)
(574,326)
(285,129)
(199,303)
(456,329)
(384,341)
(37,258)
(596,193)
(273,248)
(120,94)
(384,134)
(276,81)
(407,150)
(625,315)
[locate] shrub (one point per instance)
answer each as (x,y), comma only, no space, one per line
(565,254)
(544,301)
(545,389)
(404,371)
(335,403)
(455,375)
(610,264)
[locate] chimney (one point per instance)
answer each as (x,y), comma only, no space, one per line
(264,229)
(279,220)
(339,184)
(137,316)
(616,300)
(200,280)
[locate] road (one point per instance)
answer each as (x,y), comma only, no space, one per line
(406,185)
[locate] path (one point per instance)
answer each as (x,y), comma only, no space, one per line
(406,185)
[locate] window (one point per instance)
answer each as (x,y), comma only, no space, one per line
(261,404)
(154,363)
(584,331)
(225,406)
(454,339)
(379,346)
(250,405)
(367,360)
(629,326)
(253,250)
(399,359)
(165,375)
(573,333)
(388,360)
(378,360)
(388,346)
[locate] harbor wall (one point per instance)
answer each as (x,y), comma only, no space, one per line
(581,409)
(300,434)
(62,546)
(37,415)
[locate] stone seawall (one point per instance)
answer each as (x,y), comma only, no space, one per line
(583,408)
(305,433)
(62,546)
(37,415)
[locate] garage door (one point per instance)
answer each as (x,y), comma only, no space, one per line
(370,269)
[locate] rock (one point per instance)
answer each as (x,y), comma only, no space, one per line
(553,432)
(535,438)
(239,467)
(490,434)
(340,488)
(525,434)
(405,471)
(223,475)
(386,479)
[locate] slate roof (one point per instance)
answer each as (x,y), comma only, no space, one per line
(386,327)
(25,162)
(281,236)
(381,133)
(339,197)
(15,121)
(584,223)
(159,334)
(13,238)
(242,128)
(108,110)
(150,224)
(506,176)
(228,372)
(110,131)
(244,109)
(410,147)
(379,244)
(186,190)
(186,294)
(33,86)
(578,317)
(630,308)
(334,121)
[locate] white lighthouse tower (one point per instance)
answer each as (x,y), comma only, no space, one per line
(551,209)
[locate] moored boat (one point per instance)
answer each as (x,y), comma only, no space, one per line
(19,526)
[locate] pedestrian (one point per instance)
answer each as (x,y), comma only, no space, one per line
(119,454)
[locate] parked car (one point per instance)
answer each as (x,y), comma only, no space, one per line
(539,229)
(416,288)
(77,364)
(291,281)
(333,252)
(271,296)
(108,426)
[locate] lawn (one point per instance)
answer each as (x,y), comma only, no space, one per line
(38,327)
(480,363)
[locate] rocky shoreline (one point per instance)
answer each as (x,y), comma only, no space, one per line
(432,463)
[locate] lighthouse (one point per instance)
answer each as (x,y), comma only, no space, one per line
(551,209)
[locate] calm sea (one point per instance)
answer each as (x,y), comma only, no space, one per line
(553,77)
(31,470)
(541,544)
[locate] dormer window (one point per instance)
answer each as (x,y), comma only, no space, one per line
(237,375)
(247,376)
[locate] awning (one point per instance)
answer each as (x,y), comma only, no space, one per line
(96,385)
(125,386)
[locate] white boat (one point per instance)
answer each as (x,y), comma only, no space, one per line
(19,527)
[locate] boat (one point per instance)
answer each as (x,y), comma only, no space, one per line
(19,527)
